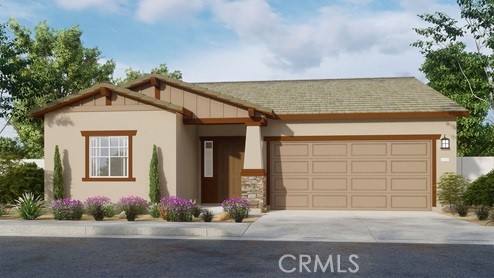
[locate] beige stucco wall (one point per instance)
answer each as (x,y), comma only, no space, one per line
(64,127)
(187,153)
(445,159)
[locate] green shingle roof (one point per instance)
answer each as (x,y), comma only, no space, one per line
(360,95)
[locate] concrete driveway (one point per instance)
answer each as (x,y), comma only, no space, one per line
(368,226)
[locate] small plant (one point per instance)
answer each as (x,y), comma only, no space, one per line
(67,209)
(99,207)
(207,215)
(238,208)
(133,206)
(451,187)
(177,209)
(482,212)
(29,206)
(462,209)
(196,210)
(154,210)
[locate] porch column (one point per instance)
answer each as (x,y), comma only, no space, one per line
(254,174)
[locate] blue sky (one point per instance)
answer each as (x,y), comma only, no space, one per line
(220,40)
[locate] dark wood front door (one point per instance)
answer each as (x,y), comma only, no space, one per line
(227,163)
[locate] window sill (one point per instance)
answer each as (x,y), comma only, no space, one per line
(108,179)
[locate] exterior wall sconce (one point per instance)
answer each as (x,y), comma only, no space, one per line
(445,143)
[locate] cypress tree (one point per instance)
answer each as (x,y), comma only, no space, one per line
(58,187)
(154,178)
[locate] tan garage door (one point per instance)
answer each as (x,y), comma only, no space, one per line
(351,175)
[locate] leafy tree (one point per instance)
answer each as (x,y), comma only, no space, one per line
(17,178)
(57,65)
(131,74)
(463,74)
(452,188)
(154,178)
(58,186)
(10,148)
(481,191)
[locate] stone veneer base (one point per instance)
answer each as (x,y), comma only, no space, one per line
(254,190)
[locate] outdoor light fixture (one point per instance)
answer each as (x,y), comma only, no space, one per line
(444,143)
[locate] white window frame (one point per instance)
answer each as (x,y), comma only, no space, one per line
(98,150)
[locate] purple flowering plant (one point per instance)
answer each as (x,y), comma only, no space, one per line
(177,209)
(238,208)
(67,209)
(133,206)
(99,207)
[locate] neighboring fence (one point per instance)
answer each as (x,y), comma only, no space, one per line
(474,167)
(39,162)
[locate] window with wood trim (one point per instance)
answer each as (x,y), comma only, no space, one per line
(108,155)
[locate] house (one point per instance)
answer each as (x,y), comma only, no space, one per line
(353,144)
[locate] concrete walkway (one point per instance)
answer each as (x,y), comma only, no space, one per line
(327,226)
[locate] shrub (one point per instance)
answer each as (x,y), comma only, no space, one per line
(177,209)
(238,208)
(207,215)
(67,209)
(482,212)
(462,209)
(99,207)
(154,178)
(29,206)
(58,187)
(481,191)
(133,206)
(452,188)
(17,178)
(2,209)
(154,210)
(196,210)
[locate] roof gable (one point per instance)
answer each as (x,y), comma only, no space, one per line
(106,90)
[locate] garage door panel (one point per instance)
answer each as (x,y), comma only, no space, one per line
(410,149)
(375,167)
(410,184)
(291,183)
(329,201)
(409,202)
(329,149)
(369,201)
(295,150)
(366,184)
(414,166)
(329,167)
(291,201)
(321,184)
(369,149)
(354,175)
(289,167)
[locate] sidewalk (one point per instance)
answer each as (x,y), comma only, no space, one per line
(324,226)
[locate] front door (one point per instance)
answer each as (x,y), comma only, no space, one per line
(222,162)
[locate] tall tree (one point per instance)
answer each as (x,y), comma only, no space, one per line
(131,74)
(461,73)
(58,184)
(57,65)
(154,178)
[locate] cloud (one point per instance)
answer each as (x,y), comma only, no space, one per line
(151,11)
(20,10)
(333,31)
(101,5)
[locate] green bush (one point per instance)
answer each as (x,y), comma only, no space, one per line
(482,212)
(481,191)
(452,188)
(29,206)
(154,210)
(154,178)
(58,185)
(462,209)
(207,215)
(17,178)
(2,209)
